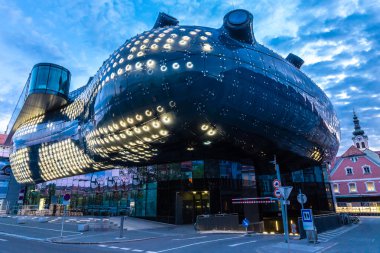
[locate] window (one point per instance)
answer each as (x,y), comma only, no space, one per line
(370,186)
(336,188)
(357,145)
(363,146)
(366,169)
(354,159)
(352,187)
(349,171)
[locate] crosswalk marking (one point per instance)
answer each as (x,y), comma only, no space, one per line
(125,248)
(3,240)
(327,236)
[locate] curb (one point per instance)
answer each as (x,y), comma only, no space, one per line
(103,242)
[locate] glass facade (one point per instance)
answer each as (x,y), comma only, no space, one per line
(51,78)
(178,192)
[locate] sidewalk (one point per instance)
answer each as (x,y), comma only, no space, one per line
(134,229)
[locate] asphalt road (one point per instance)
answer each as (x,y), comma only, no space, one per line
(361,238)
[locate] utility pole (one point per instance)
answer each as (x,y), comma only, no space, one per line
(282,203)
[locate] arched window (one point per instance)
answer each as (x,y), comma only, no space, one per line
(363,145)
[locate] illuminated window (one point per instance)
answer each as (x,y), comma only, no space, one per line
(336,188)
(352,188)
(370,186)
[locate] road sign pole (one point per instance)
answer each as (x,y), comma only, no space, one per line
(301,201)
(63,219)
(283,212)
(286,223)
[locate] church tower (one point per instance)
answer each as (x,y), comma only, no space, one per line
(359,138)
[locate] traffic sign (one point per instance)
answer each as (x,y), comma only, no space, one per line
(301,198)
(245,223)
(66,199)
(285,191)
(276,183)
(307,219)
(277,193)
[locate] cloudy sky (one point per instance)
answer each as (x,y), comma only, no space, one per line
(339,41)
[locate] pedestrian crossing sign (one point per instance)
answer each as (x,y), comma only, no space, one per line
(307,219)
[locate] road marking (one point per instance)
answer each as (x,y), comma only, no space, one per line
(3,240)
(22,237)
(102,245)
(151,252)
(125,248)
(197,243)
(327,236)
(113,247)
(49,229)
(328,247)
(237,244)
(137,250)
(191,238)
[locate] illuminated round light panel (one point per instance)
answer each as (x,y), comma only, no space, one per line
(138,65)
(164,68)
(207,47)
(128,67)
(204,127)
(167,46)
(150,63)
(139,117)
(189,65)
(148,113)
(175,65)
(211,132)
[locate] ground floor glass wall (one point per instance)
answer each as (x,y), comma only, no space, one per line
(178,192)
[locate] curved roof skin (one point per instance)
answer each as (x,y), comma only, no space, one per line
(182,92)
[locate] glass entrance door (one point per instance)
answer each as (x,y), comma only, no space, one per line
(193,204)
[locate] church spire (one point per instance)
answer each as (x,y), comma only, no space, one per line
(359,138)
(358,130)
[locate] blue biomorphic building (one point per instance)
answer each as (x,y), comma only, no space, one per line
(177,122)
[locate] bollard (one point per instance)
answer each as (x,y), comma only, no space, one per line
(121,227)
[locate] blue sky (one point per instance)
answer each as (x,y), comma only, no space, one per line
(339,41)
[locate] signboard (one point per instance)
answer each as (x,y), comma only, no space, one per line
(277,193)
(245,223)
(285,191)
(307,219)
(301,198)
(276,183)
(66,199)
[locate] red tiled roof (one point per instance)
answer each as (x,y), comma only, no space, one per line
(2,138)
(352,151)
